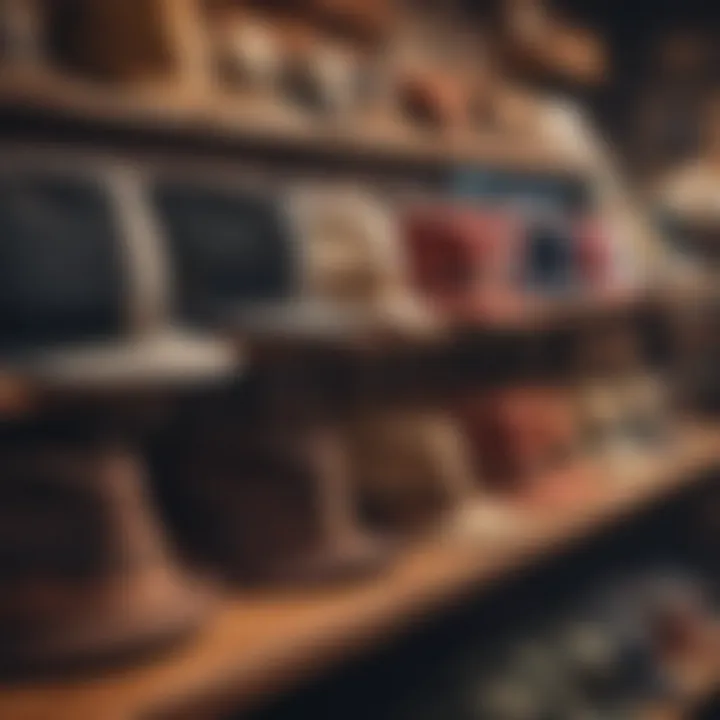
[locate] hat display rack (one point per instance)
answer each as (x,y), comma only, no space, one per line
(316,318)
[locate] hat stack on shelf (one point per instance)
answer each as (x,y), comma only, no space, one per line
(278,472)
(334,291)
(87,569)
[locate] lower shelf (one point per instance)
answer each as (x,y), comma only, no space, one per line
(263,643)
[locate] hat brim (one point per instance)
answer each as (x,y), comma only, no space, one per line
(169,359)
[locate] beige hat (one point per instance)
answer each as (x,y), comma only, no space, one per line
(351,257)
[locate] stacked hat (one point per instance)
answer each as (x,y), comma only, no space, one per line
(85,323)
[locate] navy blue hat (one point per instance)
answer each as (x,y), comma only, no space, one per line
(84,282)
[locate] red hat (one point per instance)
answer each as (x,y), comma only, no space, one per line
(464,260)
(518,433)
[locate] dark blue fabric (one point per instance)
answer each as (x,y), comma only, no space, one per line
(549,261)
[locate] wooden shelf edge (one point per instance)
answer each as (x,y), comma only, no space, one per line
(265,643)
(226,120)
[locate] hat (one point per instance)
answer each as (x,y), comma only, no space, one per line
(351,258)
(85,295)
(464,260)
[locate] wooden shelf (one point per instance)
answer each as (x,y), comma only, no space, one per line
(574,311)
(545,315)
(264,642)
(221,118)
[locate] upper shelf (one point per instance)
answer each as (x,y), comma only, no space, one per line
(222,118)
(264,642)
